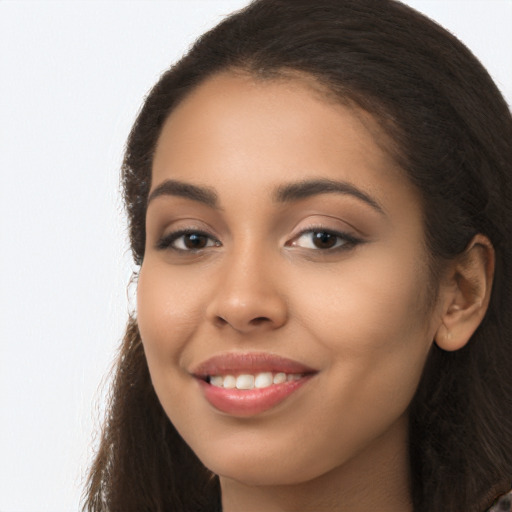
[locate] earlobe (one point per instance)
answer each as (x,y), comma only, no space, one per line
(466,294)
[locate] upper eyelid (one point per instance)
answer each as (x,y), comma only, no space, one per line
(330,231)
(168,239)
(334,232)
(184,226)
(349,231)
(328,221)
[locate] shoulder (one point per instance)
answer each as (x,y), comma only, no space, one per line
(502,504)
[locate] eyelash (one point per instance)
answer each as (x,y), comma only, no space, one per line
(168,241)
(347,241)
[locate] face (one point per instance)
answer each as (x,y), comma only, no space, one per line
(282,297)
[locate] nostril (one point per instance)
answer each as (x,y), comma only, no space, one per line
(220,321)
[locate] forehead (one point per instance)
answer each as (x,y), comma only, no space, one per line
(259,133)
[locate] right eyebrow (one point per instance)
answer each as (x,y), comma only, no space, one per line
(176,188)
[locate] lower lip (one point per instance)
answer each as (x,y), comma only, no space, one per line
(245,403)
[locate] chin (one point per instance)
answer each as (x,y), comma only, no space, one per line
(262,476)
(266,468)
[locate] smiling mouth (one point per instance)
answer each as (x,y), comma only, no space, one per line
(247,381)
(244,385)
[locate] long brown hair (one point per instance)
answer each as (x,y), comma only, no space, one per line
(452,135)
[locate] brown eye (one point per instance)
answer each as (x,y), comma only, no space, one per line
(195,241)
(324,240)
(187,241)
(321,239)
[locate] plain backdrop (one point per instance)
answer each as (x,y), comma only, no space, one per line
(72,78)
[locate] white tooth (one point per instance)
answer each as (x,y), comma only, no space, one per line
(229,382)
(245,382)
(216,381)
(263,380)
(279,378)
(293,376)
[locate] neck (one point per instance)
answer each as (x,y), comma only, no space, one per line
(377,478)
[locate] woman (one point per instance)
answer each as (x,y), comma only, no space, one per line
(319,197)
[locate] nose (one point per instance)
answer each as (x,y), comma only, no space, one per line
(247,297)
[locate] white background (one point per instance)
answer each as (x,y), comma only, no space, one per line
(72,77)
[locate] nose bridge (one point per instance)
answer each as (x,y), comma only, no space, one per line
(248,294)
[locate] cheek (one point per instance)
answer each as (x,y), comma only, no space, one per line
(368,307)
(377,331)
(377,338)
(167,314)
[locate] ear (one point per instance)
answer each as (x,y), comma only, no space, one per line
(465,294)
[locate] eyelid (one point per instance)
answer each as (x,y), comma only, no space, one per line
(324,222)
(166,242)
(349,239)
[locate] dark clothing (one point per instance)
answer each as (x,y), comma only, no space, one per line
(502,504)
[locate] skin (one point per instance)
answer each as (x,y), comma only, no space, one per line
(358,313)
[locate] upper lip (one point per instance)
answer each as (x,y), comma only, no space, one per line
(254,362)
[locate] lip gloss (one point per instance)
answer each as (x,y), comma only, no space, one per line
(243,399)
(244,403)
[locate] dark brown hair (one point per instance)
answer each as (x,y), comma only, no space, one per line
(452,136)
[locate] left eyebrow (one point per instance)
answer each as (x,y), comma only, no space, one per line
(308,188)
